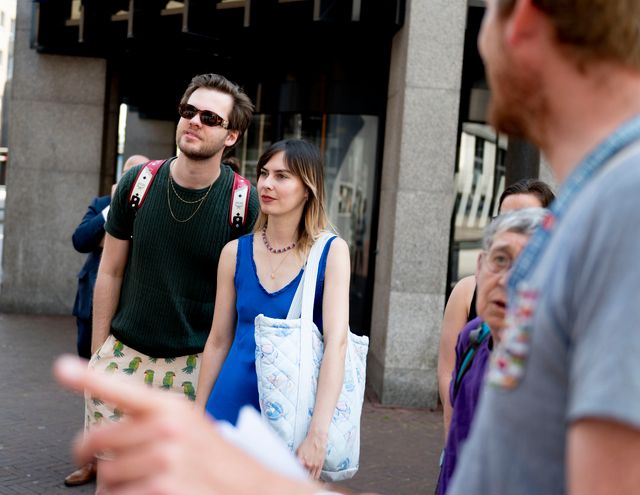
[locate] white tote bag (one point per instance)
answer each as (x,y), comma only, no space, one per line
(288,357)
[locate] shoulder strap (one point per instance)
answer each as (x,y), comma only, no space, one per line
(475,339)
(239,204)
(472,307)
(143,181)
(302,304)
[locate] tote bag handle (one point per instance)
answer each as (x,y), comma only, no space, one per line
(302,309)
(302,304)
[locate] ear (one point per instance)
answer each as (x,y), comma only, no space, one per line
(525,23)
(232,137)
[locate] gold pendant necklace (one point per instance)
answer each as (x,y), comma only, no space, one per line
(273,271)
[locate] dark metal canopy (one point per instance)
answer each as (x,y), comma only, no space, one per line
(100,23)
(330,54)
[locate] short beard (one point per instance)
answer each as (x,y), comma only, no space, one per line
(203,153)
(200,155)
(518,105)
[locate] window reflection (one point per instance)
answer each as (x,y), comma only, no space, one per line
(480,180)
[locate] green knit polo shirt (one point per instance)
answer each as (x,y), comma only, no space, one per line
(169,286)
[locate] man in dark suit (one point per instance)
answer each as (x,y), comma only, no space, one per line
(88,238)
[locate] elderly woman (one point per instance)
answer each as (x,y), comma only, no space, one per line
(461,306)
(503,240)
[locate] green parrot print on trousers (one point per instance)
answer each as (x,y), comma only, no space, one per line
(191,364)
(117,349)
(148,377)
(167,381)
(189,390)
(133,366)
(175,375)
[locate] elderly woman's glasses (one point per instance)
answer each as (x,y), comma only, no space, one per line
(207,117)
(498,261)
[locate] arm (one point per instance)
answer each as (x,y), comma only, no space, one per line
(222,328)
(165,447)
(455,317)
(106,295)
(89,234)
(600,310)
(335,320)
(602,458)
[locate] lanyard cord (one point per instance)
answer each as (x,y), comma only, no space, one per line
(586,170)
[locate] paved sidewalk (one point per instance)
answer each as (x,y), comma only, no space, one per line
(400,447)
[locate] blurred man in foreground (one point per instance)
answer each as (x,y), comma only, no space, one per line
(560,411)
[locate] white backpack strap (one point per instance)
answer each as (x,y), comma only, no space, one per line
(143,181)
(239,201)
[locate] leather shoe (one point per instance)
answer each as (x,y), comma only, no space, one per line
(82,476)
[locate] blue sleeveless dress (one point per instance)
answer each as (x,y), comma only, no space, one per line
(237,383)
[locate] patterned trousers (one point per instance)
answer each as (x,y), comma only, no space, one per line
(177,375)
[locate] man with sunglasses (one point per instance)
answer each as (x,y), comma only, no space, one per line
(156,285)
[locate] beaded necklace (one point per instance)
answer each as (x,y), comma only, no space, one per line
(271,249)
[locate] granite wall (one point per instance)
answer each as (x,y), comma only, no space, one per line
(55,145)
(416,202)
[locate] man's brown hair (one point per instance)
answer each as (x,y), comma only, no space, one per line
(242,111)
(593,29)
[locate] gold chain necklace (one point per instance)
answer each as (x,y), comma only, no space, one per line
(199,201)
(184,200)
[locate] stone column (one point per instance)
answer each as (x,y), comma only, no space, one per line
(416,202)
(546,174)
(55,142)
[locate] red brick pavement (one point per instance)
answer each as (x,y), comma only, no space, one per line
(400,447)
(399,451)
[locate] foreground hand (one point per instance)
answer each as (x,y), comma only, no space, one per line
(312,452)
(164,446)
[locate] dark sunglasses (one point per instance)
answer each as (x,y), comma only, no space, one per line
(208,118)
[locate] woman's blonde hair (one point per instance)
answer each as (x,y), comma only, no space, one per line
(304,161)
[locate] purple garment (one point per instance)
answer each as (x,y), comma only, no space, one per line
(465,401)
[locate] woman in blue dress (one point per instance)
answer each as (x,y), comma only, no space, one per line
(259,273)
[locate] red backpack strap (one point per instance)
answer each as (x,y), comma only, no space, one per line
(239,203)
(143,181)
